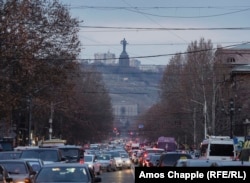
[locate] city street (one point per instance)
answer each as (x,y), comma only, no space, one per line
(119,176)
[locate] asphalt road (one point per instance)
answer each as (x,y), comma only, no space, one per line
(119,176)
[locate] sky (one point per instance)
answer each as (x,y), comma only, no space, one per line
(157,29)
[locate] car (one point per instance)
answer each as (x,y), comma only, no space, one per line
(9,155)
(209,163)
(19,170)
(4,175)
(151,160)
(195,163)
(72,153)
(126,162)
(66,172)
(169,159)
(36,164)
(107,162)
(93,163)
(47,155)
(118,160)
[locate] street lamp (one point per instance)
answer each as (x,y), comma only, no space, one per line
(246,123)
(50,129)
(204,114)
(231,114)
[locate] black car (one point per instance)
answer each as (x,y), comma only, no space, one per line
(72,153)
(170,158)
(66,172)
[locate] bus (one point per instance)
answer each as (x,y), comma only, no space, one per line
(167,143)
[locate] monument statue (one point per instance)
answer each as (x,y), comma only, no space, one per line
(124,43)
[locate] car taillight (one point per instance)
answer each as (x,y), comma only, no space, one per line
(27,180)
(81,161)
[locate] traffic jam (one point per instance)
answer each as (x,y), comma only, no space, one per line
(56,161)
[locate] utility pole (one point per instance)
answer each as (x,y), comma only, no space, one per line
(51,120)
(194,119)
(30,121)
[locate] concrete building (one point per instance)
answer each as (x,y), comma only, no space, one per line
(105,58)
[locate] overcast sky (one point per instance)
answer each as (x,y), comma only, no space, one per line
(154,45)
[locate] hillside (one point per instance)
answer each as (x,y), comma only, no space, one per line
(131,85)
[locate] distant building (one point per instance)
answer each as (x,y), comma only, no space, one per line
(125,114)
(134,63)
(238,55)
(234,82)
(152,68)
(124,58)
(105,58)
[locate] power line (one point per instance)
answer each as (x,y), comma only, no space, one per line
(166,29)
(141,10)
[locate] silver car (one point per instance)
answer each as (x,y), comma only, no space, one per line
(126,162)
(107,162)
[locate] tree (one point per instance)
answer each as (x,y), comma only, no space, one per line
(186,94)
(39,46)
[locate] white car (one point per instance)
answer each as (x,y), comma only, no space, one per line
(92,162)
(126,162)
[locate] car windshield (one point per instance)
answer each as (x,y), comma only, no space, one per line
(43,155)
(63,174)
(73,153)
(15,167)
(171,159)
(9,155)
(88,158)
(104,157)
(115,154)
(124,155)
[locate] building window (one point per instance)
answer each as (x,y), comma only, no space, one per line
(231,60)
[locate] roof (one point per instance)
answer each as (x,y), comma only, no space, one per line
(243,46)
(65,165)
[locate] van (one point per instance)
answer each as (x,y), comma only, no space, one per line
(218,148)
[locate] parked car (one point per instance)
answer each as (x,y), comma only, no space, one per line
(48,155)
(9,155)
(66,172)
(19,170)
(93,163)
(170,158)
(107,162)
